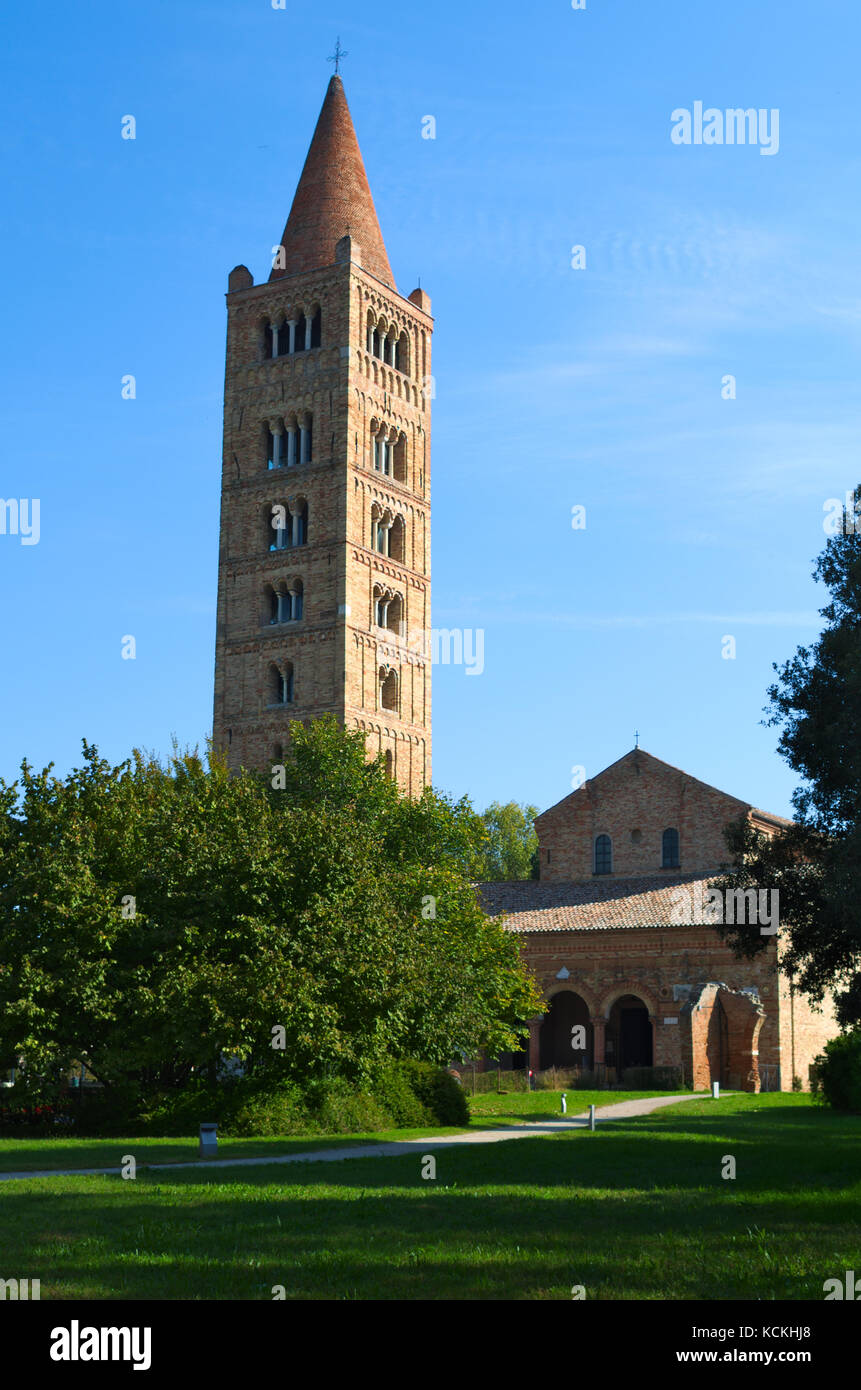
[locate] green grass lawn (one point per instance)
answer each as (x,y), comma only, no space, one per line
(637,1210)
(490,1108)
(34,1155)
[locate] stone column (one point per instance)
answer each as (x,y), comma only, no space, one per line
(274,330)
(303,443)
(308,323)
(599,1028)
(291,340)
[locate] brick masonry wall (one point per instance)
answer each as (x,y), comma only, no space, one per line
(335,650)
(663,966)
(803,1030)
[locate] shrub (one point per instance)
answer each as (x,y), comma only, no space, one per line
(438,1091)
(251,1110)
(339,1108)
(393,1089)
(835,1077)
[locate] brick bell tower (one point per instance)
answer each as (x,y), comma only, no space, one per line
(324,561)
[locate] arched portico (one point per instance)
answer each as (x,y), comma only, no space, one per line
(628,1036)
(565,1036)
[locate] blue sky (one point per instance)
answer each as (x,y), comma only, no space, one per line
(555,387)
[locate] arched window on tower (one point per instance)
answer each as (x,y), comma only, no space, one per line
(316,327)
(300,333)
(399,458)
(395,615)
(285,528)
(382,451)
(603,855)
(402,354)
(397,540)
(281,684)
(388,689)
(286,601)
(300,523)
(670,849)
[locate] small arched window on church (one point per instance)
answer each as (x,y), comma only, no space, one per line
(316,327)
(603,855)
(670,849)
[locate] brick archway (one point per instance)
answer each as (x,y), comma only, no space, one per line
(572,983)
(719,1035)
(629,987)
(568,1012)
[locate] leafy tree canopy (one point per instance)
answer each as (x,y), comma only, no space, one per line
(511,847)
(156,917)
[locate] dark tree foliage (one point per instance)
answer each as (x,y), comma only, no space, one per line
(816,863)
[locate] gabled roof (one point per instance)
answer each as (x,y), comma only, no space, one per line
(639,755)
(333,198)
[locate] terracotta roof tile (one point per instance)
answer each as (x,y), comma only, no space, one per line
(599,905)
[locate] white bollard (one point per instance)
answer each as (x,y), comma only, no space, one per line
(564,1104)
(591,1117)
(715,1090)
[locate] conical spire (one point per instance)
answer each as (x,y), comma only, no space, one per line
(333,198)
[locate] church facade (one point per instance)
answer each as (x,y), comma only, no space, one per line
(324,559)
(618,931)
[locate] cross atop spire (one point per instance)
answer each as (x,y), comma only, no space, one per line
(338,54)
(636,738)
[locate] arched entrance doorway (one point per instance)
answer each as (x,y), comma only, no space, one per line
(628,1040)
(568,1011)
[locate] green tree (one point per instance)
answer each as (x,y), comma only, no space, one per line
(816,863)
(511,848)
(155,918)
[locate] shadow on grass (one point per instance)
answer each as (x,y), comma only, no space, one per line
(637,1210)
(430,1242)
